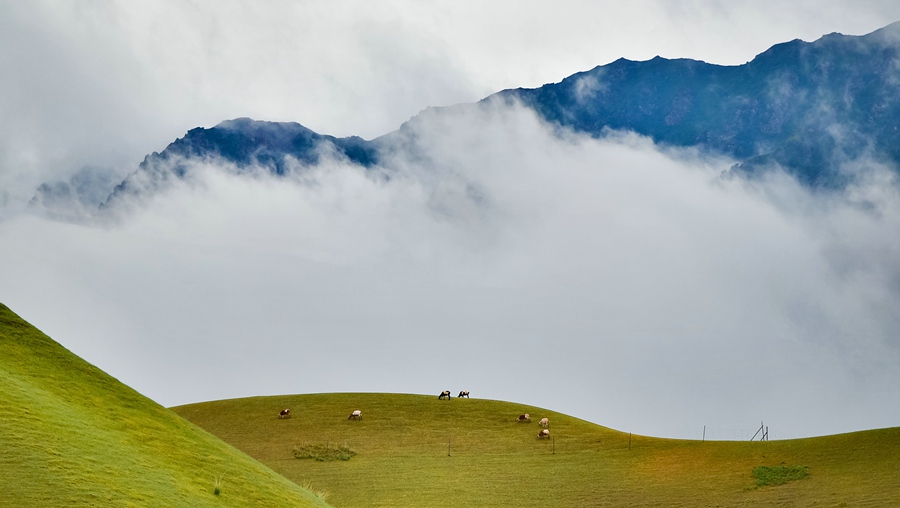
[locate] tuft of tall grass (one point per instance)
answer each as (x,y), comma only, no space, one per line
(319,493)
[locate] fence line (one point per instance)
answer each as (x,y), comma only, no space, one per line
(710,433)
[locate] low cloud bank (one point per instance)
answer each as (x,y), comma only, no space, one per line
(624,283)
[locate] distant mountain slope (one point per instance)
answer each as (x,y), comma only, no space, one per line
(242,142)
(71,435)
(807,107)
(416,450)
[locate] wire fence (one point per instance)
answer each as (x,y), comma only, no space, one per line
(719,433)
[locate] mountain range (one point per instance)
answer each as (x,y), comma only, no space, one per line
(810,108)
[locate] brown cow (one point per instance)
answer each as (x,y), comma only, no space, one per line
(543,433)
(525,418)
(285,413)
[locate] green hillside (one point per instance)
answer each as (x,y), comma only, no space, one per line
(71,435)
(401,457)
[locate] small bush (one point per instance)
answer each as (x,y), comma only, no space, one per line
(323,452)
(777,475)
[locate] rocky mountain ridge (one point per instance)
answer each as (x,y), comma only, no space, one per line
(810,108)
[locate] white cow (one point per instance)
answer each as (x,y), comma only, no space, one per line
(545,422)
(355,415)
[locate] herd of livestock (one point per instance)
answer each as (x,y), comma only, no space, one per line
(522,418)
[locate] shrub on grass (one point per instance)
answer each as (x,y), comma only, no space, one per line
(323,452)
(777,475)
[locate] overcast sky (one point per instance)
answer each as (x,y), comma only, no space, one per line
(611,280)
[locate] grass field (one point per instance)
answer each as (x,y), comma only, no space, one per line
(401,457)
(71,435)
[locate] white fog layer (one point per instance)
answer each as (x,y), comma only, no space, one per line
(631,285)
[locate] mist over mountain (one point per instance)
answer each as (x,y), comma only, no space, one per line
(705,244)
(810,109)
(245,142)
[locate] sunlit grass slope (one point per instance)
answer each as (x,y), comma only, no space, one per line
(402,458)
(71,435)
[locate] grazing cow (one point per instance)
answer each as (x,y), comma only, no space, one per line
(445,393)
(545,422)
(464,393)
(525,418)
(356,415)
(544,433)
(285,413)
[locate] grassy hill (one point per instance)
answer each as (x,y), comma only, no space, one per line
(71,435)
(401,457)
